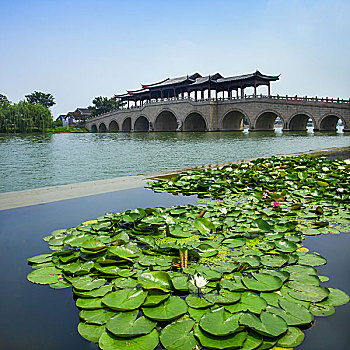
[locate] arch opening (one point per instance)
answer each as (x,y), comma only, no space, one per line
(93,128)
(102,127)
(330,123)
(266,121)
(300,122)
(113,126)
(194,122)
(234,121)
(141,124)
(126,124)
(166,121)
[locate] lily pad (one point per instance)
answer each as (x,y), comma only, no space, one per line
(46,275)
(307,292)
(293,337)
(125,299)
(126,324)
(312,260)
(87,283)
(99,316)
(336,297)
(156,280)
(272,260)
(169,310)
(40,259)
(262,282)
(249,302)
(179,336)
(197,302)
(91,332)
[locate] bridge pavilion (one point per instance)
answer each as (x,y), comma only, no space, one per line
(183,86)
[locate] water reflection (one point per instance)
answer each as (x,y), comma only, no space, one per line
(31,161)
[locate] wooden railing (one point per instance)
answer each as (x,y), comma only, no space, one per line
(239,98)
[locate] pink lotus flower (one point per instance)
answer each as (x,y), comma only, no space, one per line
(276,204)
(265,194)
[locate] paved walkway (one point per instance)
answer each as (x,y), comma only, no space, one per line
(36,196)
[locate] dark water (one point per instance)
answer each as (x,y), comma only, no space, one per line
(38,317)
(32,161)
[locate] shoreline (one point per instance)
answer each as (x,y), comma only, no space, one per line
(17,199)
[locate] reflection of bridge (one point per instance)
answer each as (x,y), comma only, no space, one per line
(226,114)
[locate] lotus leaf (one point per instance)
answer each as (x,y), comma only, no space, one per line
(271,260)
(123,252)
(122,283)
(155,297)
(224,297)
(169,310)
(45,275)
(336,297)
(232,341)
(93,244)
(125,299)
(253,341)
(312,260)
(249,302)
(307,292)
(285,246)
(91,332)
(89,303)
(204,226)
(197,302)
(144,342)
(220,322)
(87,283)
(262,282)
(78,268)
(156,280)
(197,314)
(321,310)
(95,293)
(98,316)
(126,324)
(179,336)
(40,259)
(293,337)
(269,324)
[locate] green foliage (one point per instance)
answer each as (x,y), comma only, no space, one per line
(102,104)
(261,287)
(45,100)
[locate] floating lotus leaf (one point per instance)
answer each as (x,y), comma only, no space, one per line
(285,246)
(232,341)
(271,298)
(89,303)
(283,275)
(126,324)
(293,313)
(233,286)
(169,310)
(224,297)
(95,293)
(300,269)
(40,259)
(98,316)
(206,250)
(219,322)
(91,332)
(123,283)
(78,268)
(204,226)
(180,282)
(178,232)
(45,275)
(307,292)
(234,242)
(179,336)
(265,246)
(305,278)
(272,260)
(312,260)
(254,341)
(249,302)
(86,283)
(319,309)
(108,270)
(336,297)
(252,260)
(262,282)
(197,302)
(144,342)
(125,299)
(123,252)
(293,337)
(156,280)
(197,314)
(269,324)
(155,297)
(93,244)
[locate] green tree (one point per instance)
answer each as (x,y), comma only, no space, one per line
(104,105)
(4,101)
(46,100)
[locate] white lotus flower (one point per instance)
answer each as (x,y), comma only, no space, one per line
(199,281)
(341,167)
(325,168)
(223,210)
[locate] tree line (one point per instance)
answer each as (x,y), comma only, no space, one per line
(30,115)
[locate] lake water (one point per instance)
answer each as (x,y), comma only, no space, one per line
(33,161)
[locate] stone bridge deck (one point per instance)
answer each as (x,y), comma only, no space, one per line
(259,112)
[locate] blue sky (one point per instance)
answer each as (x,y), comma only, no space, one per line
(77,50)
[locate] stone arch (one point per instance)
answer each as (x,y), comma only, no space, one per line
(93,128)
(194,122)
(165,121)
(298,121)
(126,126)
(233,120)
(141,124)
(329,122)
(113,126)
(102,127)
(266,121)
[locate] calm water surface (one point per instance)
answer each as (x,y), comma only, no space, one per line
(32,161)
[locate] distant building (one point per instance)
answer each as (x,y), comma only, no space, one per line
(62,118)
(76,117)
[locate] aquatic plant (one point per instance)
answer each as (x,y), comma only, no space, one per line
(258,285)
